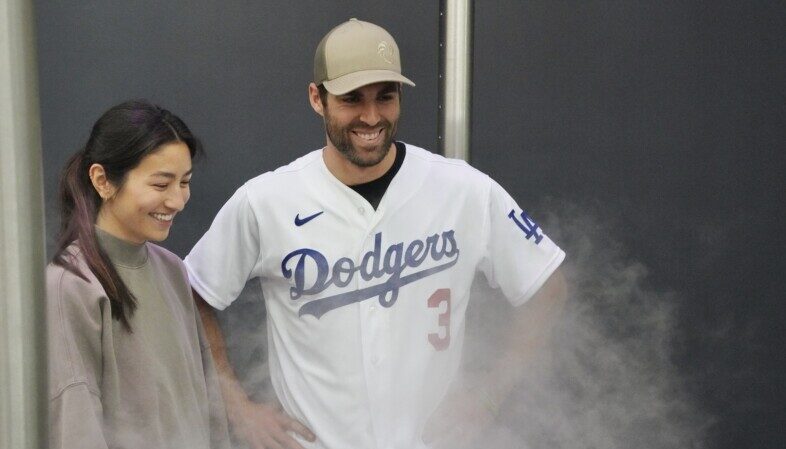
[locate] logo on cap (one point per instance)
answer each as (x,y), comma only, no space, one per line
(385,52)
(347,58)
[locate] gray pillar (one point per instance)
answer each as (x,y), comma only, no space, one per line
(22,325)
(455,90)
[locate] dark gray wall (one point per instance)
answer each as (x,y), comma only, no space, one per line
(236,72)
(665,119)
(668,120)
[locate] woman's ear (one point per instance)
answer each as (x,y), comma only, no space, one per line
(101,183)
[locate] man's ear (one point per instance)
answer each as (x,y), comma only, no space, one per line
(313,98)
(101,183)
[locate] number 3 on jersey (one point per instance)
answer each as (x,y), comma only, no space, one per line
(441,339)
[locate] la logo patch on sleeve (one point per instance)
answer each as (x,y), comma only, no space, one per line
(527,225)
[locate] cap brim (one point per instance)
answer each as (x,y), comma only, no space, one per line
(352,81)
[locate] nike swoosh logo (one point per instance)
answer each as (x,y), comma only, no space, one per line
(301,221)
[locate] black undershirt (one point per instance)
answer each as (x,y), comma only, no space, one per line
(373,191)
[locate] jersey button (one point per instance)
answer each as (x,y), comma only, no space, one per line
(374,360)
(361,210)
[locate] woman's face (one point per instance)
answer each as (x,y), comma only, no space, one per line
(144,207)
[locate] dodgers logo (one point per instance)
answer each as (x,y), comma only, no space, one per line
(390,266)
(527,225)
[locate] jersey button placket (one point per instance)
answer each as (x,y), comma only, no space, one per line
(372,332)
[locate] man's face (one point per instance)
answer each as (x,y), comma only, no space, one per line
(361,124)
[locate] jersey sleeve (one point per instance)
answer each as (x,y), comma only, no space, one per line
(224,259)
(75,321)
(519,257)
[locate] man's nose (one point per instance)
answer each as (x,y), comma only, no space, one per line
(370,114)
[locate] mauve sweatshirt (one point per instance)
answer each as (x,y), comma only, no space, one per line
(154,387)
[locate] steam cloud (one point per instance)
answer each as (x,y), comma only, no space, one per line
(605,381)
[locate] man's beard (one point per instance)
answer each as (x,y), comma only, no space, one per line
(341,139)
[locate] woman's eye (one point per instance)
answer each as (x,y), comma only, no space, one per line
(160,186)
(185,183)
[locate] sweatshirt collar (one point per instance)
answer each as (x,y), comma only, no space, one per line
(122,252)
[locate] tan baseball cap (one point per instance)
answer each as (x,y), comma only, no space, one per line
(355,54)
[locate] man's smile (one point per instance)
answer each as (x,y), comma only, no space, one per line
(368,136)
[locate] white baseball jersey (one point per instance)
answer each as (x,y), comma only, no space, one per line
(366,308)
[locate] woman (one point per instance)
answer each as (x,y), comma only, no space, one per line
(129,366)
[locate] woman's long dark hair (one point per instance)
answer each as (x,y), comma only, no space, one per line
(120,139)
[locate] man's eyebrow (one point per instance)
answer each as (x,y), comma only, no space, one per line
(389,88)
(170,175)
(351,94)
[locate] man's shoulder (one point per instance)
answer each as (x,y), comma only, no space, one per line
(442,166)
(286,173)
(285,177)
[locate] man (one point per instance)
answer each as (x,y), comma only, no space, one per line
(366,250)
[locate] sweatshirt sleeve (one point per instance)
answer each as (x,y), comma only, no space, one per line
(75,316)
(219,426)
(75,419)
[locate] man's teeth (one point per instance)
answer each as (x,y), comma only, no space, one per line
(163,217)
(368,136)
